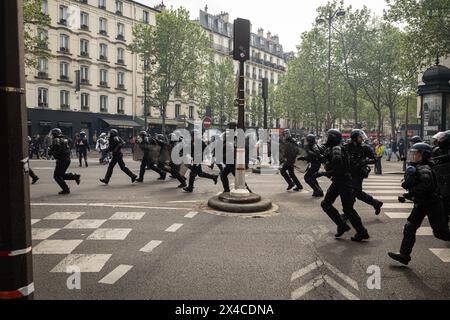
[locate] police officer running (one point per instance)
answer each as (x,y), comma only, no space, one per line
(422,190)
(60,150)
(314,157)
(82,147)
(290,153)
(441,167)
(115,146)
(337,169)
(145,143)
(361,155)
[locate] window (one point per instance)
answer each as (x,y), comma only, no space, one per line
(64,43)
(84,47)
(84,74)
(104,103)
(84,20)
(64,71)
(64,99)
(42,66)
(191,112)
(177,110)
(103,26)
(63,15)
(103,51)
(42,97)
(120,55)
(102,4)
(119,7)
(44,7)
(120,31)
(84,101)
(43,38)
(145,17)
(103,77)
(120,80)
(120,105)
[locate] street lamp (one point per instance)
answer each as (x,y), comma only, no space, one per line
(147,63)
(328,18)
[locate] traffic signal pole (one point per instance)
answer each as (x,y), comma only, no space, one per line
(16,276)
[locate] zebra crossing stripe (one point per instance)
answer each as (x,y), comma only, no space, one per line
(116,274)
(397,215)
(398,205)
(442,254)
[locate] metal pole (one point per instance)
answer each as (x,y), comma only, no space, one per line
(145,94)
(406,133)
(16,273)
(329,73)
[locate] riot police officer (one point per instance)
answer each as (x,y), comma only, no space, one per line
(145,143)
(361,155)
(290,152)
(314,157)
(60,150)
(82,148)
(337,169)
(196,168)
(441,167)
(422,190)
(115,147)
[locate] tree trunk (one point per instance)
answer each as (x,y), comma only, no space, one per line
(355,107)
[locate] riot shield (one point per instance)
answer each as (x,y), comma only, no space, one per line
(301,165)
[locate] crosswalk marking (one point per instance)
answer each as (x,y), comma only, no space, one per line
(34,221)
(191,214)
(128,216)
(397,191)
(85,262)
(85,224)
(109,234)
(149,247)
(43,233)
(56,246)
(174,227)
(398,205)
(65,216)
(387,187)
(443,254)
(425,231)
(116,274)
(397,215)
(387,198)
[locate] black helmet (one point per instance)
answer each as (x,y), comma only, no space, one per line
(416,139)
(82,133)
(334,138)
(56,132)
(424,149)
(311,138)
(113,133)
(356,133)
(143,134)
(444,140)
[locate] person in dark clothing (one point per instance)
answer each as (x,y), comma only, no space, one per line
(60,150)
(337,169)
(361,156)
(314,158)
(422,189)
(174,169)
(34,177)
(115,147)
(196,168)
(145,143)
(290,152)
(441,168)
(401,149)
(394,151)
(82,147)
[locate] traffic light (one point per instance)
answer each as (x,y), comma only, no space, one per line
(241,40)
(265,88)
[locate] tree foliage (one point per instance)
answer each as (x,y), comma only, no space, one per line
(35,43)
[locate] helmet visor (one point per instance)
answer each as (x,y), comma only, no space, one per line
(415,156)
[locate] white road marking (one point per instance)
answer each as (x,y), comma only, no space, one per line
(191,214)
(443,254)
(300,273)
(128,216)
(425,231)
(149,247)
(341,289)
(399,192)
(86,262)
(34,221)
(300,292)
(398,215)
(85,224)
(190,201)
(174,227)
(109,234)
(42,234)
(116,274)
(385,187)
(42,168)
(381,184)
(65,216)
(344,277)
(56,246)
(109,205)
(387,198)
(398,206)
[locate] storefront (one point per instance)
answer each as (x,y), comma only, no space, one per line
(41,121)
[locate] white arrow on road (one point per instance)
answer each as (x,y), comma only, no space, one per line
(323,279)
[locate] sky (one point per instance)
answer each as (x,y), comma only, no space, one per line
(287,18)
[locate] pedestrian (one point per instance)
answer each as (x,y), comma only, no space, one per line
(314,158)
(60,150)
(394,151)
(401,149)
(337,169)
(47,144)
(82,147)
(361,156)
(102,147)
(290,152)
(379,151)
(422,189)
(115,147)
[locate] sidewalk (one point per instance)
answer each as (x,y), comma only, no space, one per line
(392,167)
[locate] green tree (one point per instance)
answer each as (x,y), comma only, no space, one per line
(35,41)
(180,48)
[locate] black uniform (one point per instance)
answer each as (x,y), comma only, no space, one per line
(196,169)
(174,169)
(441,169)
(82,147)
(360,157)
(337,168)
(148,161)
(290,153)
(60,150)
(115,147)
(314,157)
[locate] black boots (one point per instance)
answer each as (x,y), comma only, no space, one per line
(378,205)
(360,237)
(403,259)
(341,230)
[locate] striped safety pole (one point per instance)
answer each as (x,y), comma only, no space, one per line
(16,276)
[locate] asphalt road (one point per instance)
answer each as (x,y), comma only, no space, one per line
(153,241)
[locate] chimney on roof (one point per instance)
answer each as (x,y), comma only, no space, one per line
(269,35)
(261,32)
(276,39)
(206,8)
(225,16)
(161,6)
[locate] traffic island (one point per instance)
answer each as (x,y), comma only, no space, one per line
(249,204)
